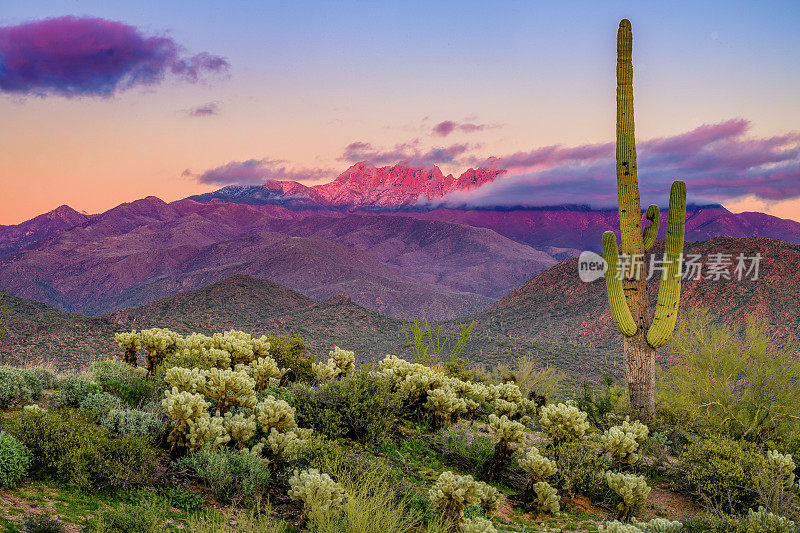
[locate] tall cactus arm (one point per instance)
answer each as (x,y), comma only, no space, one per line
(630,210)
(616,296)
(651,231)
(669,293)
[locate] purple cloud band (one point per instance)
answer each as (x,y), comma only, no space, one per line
(85,56)
(408,153)
(205,110)
(445,128)
(258,171)
(717,162)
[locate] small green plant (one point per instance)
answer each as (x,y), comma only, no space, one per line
(146,516)
(231,475)
(185,499)
(18,387)
(602,404)
(427,345)
(42,523)
(15,459)
(73,388)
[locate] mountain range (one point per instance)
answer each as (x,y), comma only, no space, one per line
(366,235)
(554,317)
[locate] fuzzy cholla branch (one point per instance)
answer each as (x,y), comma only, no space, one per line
(563,422)
(322,497)
(538,466)
(227,388)
(631,489)
(658,525)
(477,525)
(784,467)
(546,499)
(275,414)
(452,493)
(623,441)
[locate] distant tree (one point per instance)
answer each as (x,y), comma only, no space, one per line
(427,345)
(2,314)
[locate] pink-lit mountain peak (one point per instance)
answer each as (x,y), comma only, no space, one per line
(391,186)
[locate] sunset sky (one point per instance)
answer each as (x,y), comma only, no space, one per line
(106,102)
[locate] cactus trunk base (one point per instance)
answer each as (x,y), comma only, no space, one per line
(640,365)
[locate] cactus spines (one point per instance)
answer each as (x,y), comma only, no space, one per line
(627,294)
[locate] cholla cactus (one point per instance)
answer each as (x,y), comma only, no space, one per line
(280,443)
(207,432)
(325,372)
(618,527)
(197,341)
(509,435)
(241,427)
(182,378)
(478,525)
(623,441)
(159,343)
(275,414)
(504,407)
(444,404)
(345,360)
(538,466)
(546,499)
(765,519)
(632,489)
(130,342)
(452,493)
(658,525)
(227,388)
(263,369)
(34,408)
(183,407)
(783,465)
(322,497)
(563,422)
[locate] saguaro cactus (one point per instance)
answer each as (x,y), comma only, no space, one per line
(627,292)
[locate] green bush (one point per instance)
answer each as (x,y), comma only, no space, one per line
(133,422)
(603,405)
(98,404)
(122,380)
(42,523)
(730,381)
(580,468)
(735,524)
(185,499)
(69,446)
(360,407)
(722,471)
(46,377)
(73,388)
(15,459)
(228,473)
(18,387)
(318,452)
(466,449)
(292,352)
(147,516)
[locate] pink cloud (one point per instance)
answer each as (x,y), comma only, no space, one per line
(205,110)
(258,171)
(443,129)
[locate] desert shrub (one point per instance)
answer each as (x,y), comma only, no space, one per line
(98,404)
(580,465)
(729,381)
(478,525)
(538,468)
(563,422)
(15,459)
(465,449)
(133,422)
(146,516)
(185,499)
(318,452)
(122,380)
(46,376)
(292,352)
(655,525)
(229,474)
(754,522)
(721,472)
(17,387)
(631,491)
(256,520)
(67,445)
(360,407)
(73,388)
(42,523)
(532,378)
(604,405)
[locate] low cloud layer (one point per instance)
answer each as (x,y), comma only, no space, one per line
(410,153)
(718,162)
(85,56)
(205,110)
(258,171)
